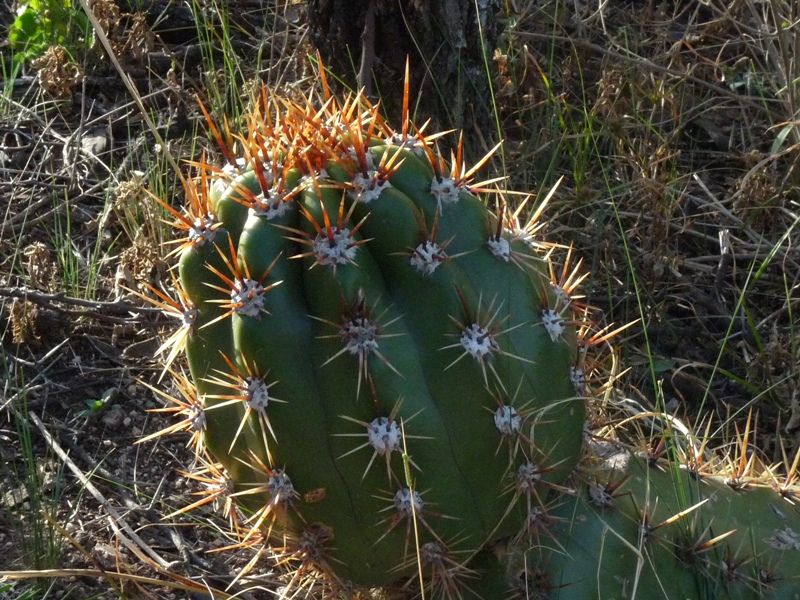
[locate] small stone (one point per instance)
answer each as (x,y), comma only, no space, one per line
(115,418)
(94,141)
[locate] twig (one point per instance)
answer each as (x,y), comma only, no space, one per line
(41,371)
(100,308)
(180,583)
(726,265)
(22,216)
(90,460)
(130,539)
(367,50)
(39,362)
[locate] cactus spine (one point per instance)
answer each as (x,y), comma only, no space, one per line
(389,373)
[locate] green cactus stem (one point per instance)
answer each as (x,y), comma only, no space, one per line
(640,528)
(384,369)
(390,374)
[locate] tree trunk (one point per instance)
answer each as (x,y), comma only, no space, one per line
(448,43)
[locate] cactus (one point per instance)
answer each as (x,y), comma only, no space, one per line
(641,527)
(388,372)
(383,361)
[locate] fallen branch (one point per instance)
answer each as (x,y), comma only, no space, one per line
(180,583)
(98,309)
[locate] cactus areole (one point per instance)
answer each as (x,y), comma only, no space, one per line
(372,341)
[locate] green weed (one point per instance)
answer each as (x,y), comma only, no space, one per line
(40,24)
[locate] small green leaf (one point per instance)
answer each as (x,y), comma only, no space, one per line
(25,28)
(96,405)
(42,23)
(662,365)
(779,140)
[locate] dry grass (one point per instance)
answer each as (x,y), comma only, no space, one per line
(679,142)
(676,126)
